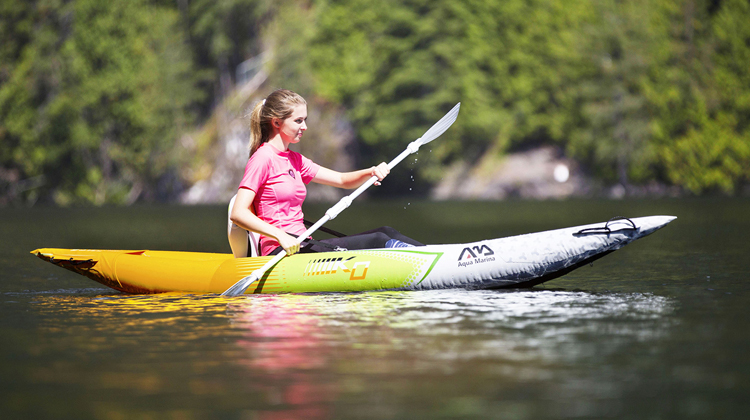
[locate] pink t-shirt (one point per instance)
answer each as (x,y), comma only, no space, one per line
(278,179)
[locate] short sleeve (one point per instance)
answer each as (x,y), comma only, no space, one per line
(256,173)
(308,169)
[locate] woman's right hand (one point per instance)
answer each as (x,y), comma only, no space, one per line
(289,243)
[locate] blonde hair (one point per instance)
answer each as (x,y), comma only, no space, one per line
(279,104)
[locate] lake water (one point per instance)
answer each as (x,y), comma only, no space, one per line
(657,330)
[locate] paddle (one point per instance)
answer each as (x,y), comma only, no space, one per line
(434,132)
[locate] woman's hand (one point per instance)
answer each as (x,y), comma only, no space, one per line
(289,243)
(380,171)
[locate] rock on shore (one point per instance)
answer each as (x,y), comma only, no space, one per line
(533,174)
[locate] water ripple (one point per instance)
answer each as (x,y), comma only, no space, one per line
(454,325)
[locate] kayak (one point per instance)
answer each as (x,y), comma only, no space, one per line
(516,261)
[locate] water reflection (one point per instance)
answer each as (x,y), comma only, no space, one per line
(279,326)
(145,345)
(321,348)
(321,355)
(114,312)
(285,342)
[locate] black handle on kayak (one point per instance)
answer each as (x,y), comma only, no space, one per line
(605,229)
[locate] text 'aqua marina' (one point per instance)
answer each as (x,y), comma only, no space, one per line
(475,255)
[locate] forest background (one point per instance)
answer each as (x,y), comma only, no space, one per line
(107,101)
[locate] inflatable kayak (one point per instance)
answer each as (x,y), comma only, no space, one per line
(517,261)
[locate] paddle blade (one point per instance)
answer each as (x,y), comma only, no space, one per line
(242,285)
(239,288)
(439,128)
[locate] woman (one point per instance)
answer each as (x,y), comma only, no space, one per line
(270,196)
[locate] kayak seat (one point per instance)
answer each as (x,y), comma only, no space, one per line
(243,243)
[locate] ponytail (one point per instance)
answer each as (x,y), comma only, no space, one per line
(256,128)
(279,104)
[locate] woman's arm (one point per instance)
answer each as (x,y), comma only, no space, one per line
(243,216)
(350,179)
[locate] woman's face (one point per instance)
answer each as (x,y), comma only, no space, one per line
(292,128)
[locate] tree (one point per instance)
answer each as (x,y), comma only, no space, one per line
(223,34)
(398,66)
(703,103)
(93,99)
(614,136)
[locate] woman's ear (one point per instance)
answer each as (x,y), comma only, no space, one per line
(276,122)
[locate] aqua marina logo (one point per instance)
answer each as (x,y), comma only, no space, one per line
(475,255)
(475,252)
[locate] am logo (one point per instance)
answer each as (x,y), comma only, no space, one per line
(475,251)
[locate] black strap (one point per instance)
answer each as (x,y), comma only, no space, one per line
(605,229)
(70,261)
(324,229)
(312,241)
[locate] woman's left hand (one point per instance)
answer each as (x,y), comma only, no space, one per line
(380,171)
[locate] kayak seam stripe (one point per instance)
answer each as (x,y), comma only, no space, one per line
(437,256)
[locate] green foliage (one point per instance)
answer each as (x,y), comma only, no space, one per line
(94,98)
(222,34)
(613,134)
(397,66)
(94,94)
(632,89)
(713,156)
(700,97)
(288,37)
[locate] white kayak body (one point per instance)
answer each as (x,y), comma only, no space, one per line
(530,259)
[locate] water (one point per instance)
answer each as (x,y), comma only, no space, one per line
(656,330)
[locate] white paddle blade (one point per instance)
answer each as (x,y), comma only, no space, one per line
(439,128)
(239,288)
